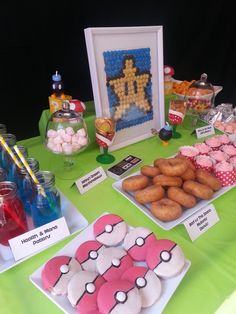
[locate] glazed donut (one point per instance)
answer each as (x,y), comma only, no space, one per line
(158,161)
(166,209)
(181,197)
(173,167)
(208,179)
(163,180)
(189,174)
(149,194)
(189,162)
(197,189)
(134,183)
(150,171)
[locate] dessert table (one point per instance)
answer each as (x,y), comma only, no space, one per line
(211,278)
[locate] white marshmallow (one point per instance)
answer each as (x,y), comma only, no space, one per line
(70,130)
(67,148)
(51,133)
(82,132)
(61,132)
(83,141)
(67,138)
(58,140)
(76,147)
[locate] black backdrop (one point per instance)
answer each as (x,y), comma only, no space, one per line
(37,38)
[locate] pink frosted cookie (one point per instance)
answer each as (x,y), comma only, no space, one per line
(165,258)
(83,289)
(112,262)
(119,297)
(218,155)
(87,254)
(203,148)
(137,241)
(57,273)
(110,229)
(147,282)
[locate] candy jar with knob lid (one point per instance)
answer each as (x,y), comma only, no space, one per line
(66,135)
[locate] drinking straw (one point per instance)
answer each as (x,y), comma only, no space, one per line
(9,151)
(31,173)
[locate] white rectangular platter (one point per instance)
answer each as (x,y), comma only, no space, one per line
(75,222)
(169,285)
(171,224)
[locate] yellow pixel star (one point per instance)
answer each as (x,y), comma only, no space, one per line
(130,88)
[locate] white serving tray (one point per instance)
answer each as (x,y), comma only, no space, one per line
(75,222)
(171,224)
(169,285)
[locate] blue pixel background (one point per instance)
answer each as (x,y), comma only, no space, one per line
(113,67)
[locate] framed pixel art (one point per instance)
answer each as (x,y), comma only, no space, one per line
(126,69)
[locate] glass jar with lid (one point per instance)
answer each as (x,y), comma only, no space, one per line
(66,134)
(200,98)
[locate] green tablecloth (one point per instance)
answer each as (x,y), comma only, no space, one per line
(211,278)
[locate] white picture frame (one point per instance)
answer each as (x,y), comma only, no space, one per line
(137,43)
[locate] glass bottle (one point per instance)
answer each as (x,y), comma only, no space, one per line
(25,185)
(12,167)
(45,207)
(12,215)
(10,139)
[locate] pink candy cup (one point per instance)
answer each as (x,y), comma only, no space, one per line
(204,162)
(188,152)
(218,155)
(213,142)
(229,150)
(225,172)
(203,148)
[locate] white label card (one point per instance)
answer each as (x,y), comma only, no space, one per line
(91,179)
(205,131)
(200,222)
(38,238)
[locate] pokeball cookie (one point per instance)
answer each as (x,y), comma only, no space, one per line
(146,281)
(83,289)
(57,273)
(112,262)
(87,254)
(137,241)
(165,258)
(119,297)
(110,229)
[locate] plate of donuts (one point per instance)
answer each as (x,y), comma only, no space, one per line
(173,214)
(111,266)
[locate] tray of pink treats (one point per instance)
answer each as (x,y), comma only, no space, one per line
(111,267)
(216,154)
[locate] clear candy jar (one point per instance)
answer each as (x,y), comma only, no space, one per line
(66,135)
(200,95)
(66,132)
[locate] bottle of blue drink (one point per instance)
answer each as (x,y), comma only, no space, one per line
(10,139)
(46,204)
(12,168)
(26,189)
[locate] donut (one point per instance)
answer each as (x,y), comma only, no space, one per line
(181,197)
(165,258)
(158,161)
(134,183)
(149,194)
(189,162)
(150,171)
(120,297)
(147,283)
(87,254)
(164,180)
(57,273)
(83,290)
(189,174)
(110,229)
(112,262)
(166,209)
(137,241)
(197,189)
(208,179)
(173,167)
